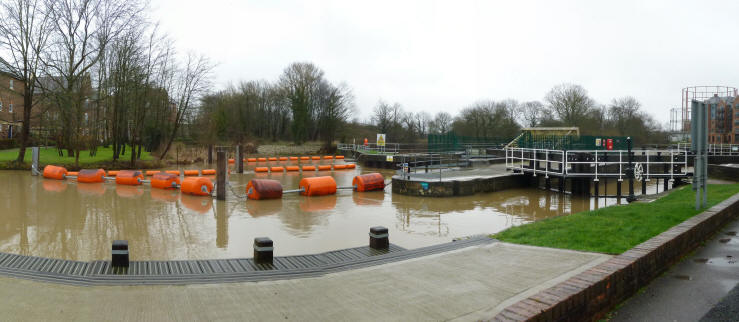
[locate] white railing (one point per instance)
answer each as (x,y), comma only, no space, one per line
(598,163)
(716,149)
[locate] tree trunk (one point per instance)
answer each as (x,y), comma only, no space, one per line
(25,131)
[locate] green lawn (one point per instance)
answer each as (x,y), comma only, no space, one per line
(615,229)
(50,156)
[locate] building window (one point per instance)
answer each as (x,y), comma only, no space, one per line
(10,107)
(11,84)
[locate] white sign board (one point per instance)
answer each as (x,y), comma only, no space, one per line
(380,139)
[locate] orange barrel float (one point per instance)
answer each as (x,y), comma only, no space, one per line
(328,157)
(91,176)
(251,160)
(113,173)
(54,172)
(351,166)
(272,159)
(165,180)
(317,186)
(292,168)
(309,168)
(150,173)
(304,158)
(283,158)
(315,157)
(231,161)
(199,186)
(176,172)
(369,182)
(339,157)
(262,159)
(191,173)
(72,173)
(129,177)
(326,167)
(261,169)
(209,172)
(259,189)
(293,158)
(339,166)
(276,169)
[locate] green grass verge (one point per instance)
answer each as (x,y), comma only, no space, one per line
(615,229)
(50,156)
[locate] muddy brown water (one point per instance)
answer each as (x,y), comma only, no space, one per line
(64,219)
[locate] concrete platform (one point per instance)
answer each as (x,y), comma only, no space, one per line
(465,284)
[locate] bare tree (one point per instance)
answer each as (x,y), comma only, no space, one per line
(569,102)
(622,111)
(423,122)
(24,31)
(442,122)
(531,113)
(300,81)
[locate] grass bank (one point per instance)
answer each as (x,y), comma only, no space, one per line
(615,229)
(49,155)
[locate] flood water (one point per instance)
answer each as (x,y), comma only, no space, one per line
(64,219)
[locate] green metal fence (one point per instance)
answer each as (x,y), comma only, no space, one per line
(452,142)
(570,142)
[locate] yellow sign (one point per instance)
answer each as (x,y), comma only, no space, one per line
(380,139)
(389,158)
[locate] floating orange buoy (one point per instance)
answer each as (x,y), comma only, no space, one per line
(199,186)
(339,166)
(150,173)
(277,169)
(91,176)
(164,180)
(315,157)
(283,158)
(262,159)
(112,173)
(54,172)
(190,173)
(328,157)
(72,173)
(259,189)
(309,168)
(324,167)
(339,157)
(251,159)
(231,161)
(293,158)
(261,169)
(351,166)
(129,177)
(272,159)
(209,172)
(304,158)
(176,172)
(292,168)
(369,182)
(318,186)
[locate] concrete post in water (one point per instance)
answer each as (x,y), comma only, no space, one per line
(34,161)
(210,154)
(263,250)
(221,165)
(119,254)
(240,159)
(379,238)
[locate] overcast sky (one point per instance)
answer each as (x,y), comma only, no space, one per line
(444,55)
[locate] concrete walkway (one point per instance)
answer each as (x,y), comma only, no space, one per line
(691,288)
(467,284)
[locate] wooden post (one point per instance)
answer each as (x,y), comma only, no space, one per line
(210,154)
(222,164)
(240,159)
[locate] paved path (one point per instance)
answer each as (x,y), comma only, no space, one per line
(692,287)
(466,284)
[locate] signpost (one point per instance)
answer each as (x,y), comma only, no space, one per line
(699,144)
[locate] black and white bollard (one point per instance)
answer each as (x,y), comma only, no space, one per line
(379,238)
(120,253)
(263,250)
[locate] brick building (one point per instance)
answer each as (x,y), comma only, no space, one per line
(11,106)
(723,120)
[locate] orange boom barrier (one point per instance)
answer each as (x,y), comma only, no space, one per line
(261,169)
(231,161)
(304,158)
(199,186)
(339,166)
(293,158)
(315,157)
(72,173)
(272,159)
(175,172)
(309,168)
(150,173)
(292,168)
(283,158)
(91,176)
(351,166)
(209,172)
(324,168)
(112,173)
(369,182)
(318,186)
(251,159)
(339,157)
(259,189)
(191,173)
(164,180)
(262,159)
(277,169)
(54,172)
(328,157)
(129,177)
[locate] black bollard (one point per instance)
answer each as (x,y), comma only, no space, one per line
(263,250)
(221,172)
(119,253)
(379,238)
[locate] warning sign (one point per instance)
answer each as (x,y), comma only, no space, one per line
(380,139)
